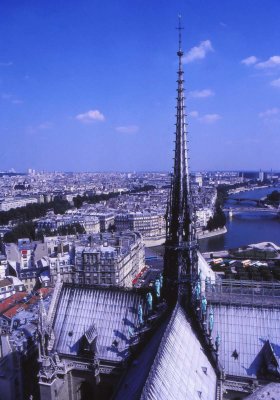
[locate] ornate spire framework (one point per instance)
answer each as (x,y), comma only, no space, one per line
(180,264)
(42,327)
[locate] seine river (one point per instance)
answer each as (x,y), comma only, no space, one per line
(246,228)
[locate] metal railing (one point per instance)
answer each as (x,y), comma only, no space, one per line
(259,293)
(54,301)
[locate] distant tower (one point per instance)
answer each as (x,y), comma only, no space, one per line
(180,259)
(261,176)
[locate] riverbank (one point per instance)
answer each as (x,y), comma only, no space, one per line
(246,227)
(154,242)
(258,251)
(247,189)
(159,241)
(209,234)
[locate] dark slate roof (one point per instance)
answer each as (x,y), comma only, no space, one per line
(268,392)
(5,282)
(244,330)
(112,313)
(135,378)
(179,371)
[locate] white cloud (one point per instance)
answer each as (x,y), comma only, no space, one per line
(206,119)
(16,101)
(276,83)
(210,118)
(127,129)
(45,125)
(202,93)
(272,62)
(6,64)
(32,129)
(11,98)
(90,116)
(270,112)
(249,60)
(6,96)
(194,114)
(198,52)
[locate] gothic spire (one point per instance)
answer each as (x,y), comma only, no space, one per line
(181,243)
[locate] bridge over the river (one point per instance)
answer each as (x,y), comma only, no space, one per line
(242,199)
(238,210)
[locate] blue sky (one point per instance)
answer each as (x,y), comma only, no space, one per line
(91,85)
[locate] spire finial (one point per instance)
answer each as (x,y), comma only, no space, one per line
(180,28)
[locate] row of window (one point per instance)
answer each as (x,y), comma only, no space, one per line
(28,275)
(5,288)
(95,281)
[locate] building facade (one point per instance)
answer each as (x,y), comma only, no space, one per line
(16,202)
(106,220)
(110,259)
(53,222)
(149,224)
(27,260)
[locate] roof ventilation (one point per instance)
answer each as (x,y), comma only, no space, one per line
(235,355)
(204,369)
